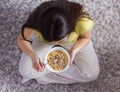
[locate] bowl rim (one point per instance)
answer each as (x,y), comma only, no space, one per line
(62,49)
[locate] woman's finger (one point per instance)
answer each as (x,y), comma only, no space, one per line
(36,64)
(42,66)
(35,68)
(71,60)
(72,55)
(38,67)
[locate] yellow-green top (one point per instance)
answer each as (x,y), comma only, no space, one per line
(83,25)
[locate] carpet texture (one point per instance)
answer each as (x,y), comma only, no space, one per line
(106,40)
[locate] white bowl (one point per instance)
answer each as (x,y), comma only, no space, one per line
(53,49)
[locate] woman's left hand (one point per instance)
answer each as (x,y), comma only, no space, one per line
(72,55)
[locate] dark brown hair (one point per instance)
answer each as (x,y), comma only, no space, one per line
(54,19)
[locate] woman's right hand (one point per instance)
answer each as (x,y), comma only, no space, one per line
(36,63)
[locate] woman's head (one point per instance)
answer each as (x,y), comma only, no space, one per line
(55,24)
(54,19)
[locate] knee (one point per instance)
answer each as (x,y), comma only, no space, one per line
(90,74)
(25,68)
(93,70)
(94,73)
(24,71)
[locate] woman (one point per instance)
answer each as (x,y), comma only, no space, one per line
(62,23)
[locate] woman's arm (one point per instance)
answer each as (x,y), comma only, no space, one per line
(26,47)
(81,42)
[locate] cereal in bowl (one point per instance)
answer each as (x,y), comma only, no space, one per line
(57,60)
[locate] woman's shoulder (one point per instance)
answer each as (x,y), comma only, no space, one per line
(83,25)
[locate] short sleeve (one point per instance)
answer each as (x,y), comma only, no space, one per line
(84,25)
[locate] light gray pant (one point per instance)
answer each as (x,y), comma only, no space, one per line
(85,67)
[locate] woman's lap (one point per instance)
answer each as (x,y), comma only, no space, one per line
(85,67)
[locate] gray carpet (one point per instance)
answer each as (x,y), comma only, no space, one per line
(106,40)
